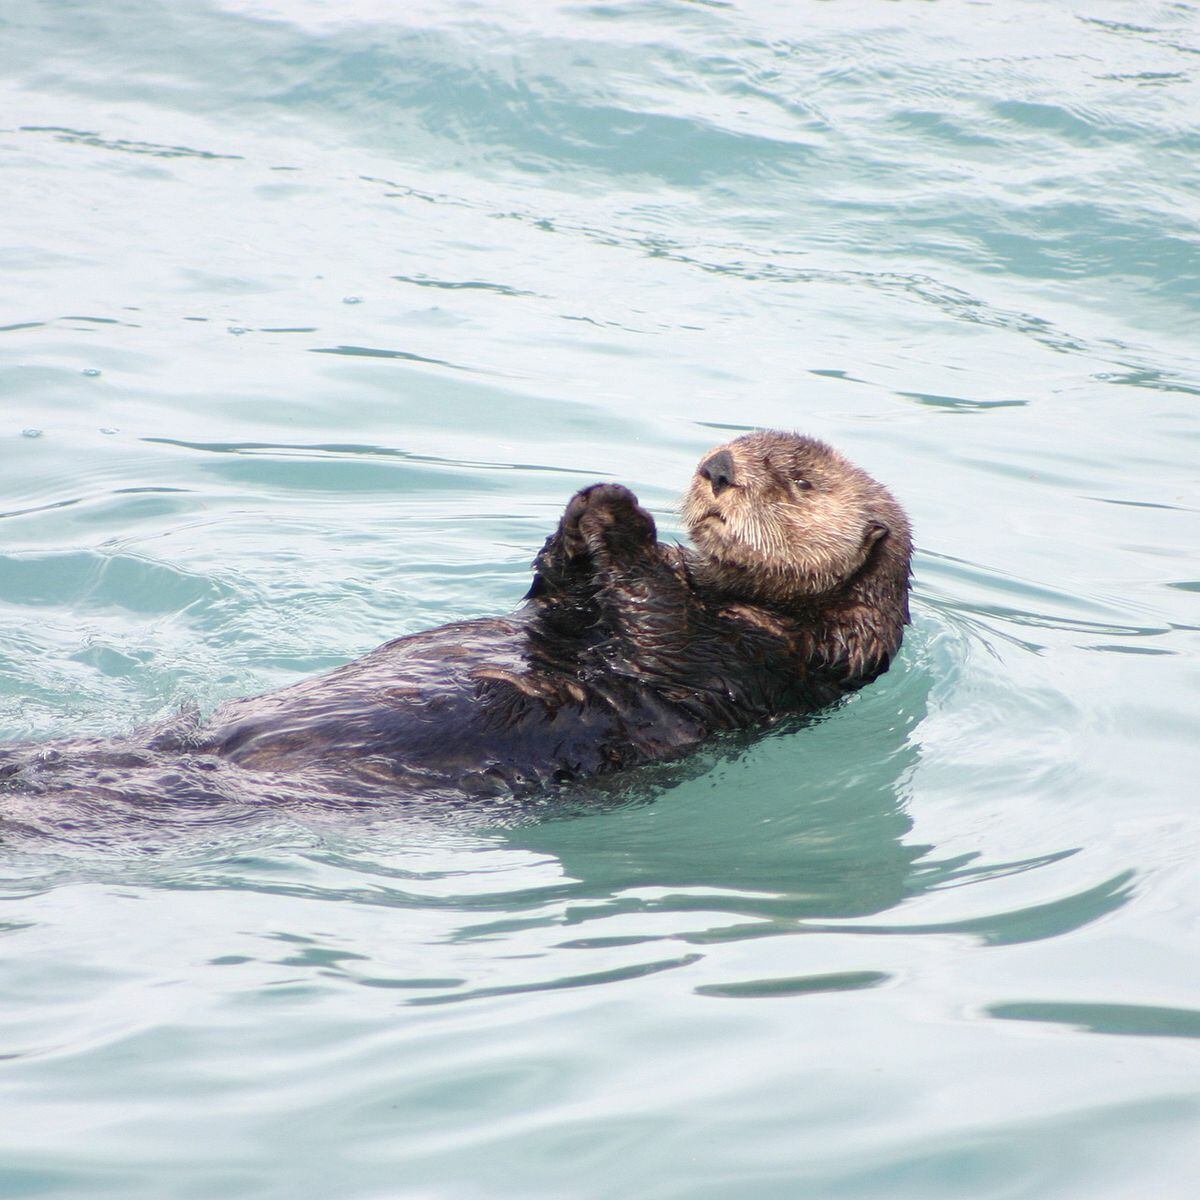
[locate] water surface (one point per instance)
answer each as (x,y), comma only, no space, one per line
(316,314)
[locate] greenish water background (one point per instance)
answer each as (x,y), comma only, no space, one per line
(320,311)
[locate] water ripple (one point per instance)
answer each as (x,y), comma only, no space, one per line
(964,255)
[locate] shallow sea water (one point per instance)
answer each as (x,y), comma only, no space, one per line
(315,314)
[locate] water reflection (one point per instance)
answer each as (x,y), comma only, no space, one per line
(713,856)
(717,838)
(723,839)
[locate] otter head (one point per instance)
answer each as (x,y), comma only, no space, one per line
(788,519)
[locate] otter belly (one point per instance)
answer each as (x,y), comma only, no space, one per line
(458,711)
(460,707)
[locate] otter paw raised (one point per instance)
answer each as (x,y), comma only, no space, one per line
(611,520)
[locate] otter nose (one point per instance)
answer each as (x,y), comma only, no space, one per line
(718,470)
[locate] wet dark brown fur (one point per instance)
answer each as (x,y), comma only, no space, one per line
(625,651)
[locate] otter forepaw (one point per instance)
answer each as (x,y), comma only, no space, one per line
(601,525)
(574,544)
(613,522)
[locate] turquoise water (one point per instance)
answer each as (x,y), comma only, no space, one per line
(315,315)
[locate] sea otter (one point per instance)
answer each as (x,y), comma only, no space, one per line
(625,651)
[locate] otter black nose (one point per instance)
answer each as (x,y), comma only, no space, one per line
(718,470)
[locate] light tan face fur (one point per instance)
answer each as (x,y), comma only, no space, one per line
(793,540)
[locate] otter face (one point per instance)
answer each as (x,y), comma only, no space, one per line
(784,515)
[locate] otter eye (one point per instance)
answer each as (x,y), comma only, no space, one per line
(800,482)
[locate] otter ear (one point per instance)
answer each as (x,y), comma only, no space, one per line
(876,531)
